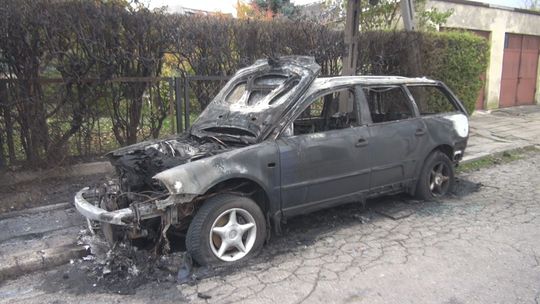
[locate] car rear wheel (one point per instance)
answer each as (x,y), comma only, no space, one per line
(436,178)
(226,229)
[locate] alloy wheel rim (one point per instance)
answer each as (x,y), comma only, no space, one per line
(233,234)
(439,179)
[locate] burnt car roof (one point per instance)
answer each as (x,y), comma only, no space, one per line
(330,82)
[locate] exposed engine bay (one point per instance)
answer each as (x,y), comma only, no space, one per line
(135,188)
(136,165)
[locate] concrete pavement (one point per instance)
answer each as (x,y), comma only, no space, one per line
(501,130)
(39,240)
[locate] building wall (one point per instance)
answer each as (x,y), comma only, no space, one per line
(499,21)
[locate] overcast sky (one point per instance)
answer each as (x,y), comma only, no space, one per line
(227,6)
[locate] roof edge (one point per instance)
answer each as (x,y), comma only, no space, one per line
(493,6)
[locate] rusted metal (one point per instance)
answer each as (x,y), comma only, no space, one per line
(480,102)
(519,73)
(528,70)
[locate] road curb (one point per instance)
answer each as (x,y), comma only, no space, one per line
(475,158)
(27,262)
(77,170)
(35,210)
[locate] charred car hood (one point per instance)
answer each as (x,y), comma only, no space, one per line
(138,163)
(255,98)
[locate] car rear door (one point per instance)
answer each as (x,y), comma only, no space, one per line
(397,136)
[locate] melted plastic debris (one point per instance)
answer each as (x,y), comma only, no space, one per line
(124,267)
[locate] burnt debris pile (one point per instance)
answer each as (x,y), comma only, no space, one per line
(124,267)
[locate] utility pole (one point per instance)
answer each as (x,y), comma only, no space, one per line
(351,43)
(407,12)
(352,24)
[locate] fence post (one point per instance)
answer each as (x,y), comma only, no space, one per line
(171,105)
(186,101)
(2,155)
(3,95)
(178,95)
(8,123)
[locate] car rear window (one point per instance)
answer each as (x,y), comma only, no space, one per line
(431,100)
(387,104)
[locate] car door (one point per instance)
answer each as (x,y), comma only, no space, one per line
(324,161)
(397,136)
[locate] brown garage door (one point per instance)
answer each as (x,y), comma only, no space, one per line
(481,95)
(520,66)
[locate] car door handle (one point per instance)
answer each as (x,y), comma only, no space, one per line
(362,142)
(420,132)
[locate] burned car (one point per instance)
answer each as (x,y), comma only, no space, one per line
(277,142)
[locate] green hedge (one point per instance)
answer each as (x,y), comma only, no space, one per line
(43,123)
(456,58)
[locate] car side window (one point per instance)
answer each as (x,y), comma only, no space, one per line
(387,104)
(431,100)
(322,114)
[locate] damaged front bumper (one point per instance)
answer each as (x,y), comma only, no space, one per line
(122,217)
(172,209)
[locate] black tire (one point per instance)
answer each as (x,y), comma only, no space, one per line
(431,186)
(198,234)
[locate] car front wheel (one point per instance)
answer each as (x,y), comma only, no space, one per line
(227,228)
(436,178)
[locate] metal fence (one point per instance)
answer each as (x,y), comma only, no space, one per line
(107,112)
(183,101)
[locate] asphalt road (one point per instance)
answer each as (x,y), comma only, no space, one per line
(480,246)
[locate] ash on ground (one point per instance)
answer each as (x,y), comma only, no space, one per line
(124,267)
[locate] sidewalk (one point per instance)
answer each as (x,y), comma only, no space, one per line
(31,241)
(501,130)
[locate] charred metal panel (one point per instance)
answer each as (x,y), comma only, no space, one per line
(446,129)
(136,164)
(323,166)
(258,163)
(395,148)
(257,119)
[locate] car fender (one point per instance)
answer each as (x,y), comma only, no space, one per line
(450,129)
(258,163)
